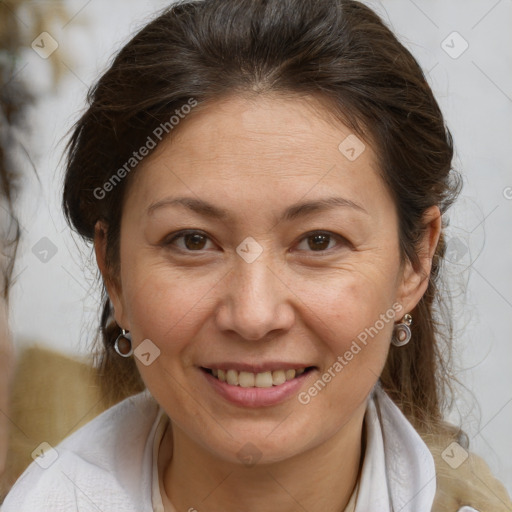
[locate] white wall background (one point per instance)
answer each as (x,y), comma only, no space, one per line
(55,302)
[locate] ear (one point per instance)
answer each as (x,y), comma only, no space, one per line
(112,284)
(415,281)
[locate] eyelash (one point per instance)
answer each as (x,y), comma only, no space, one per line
(176,236)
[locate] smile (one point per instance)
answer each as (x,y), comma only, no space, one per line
(256,380)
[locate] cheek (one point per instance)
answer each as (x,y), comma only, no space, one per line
(163,304)
(346,303)
(351,315)
(169,311)
(353,322)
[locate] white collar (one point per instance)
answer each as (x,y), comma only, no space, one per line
(161,423)
(398,473)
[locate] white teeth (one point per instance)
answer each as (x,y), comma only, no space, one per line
(259,380)
(246,379)
(278,377)
(232,377)
(263,380)
(290,374)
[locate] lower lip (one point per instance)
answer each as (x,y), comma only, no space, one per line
(257,397)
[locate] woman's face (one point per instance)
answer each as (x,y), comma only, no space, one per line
(254,242)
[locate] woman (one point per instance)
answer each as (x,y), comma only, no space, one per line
(264,184)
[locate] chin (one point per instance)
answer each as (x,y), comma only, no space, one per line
(266,446)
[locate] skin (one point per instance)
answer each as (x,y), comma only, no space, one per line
(204,303)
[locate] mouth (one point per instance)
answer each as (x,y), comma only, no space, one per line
(265,379)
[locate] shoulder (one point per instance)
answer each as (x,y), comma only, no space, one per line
(99,467)
(464,481)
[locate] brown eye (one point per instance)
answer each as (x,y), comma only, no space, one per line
(189,241)
(194,241)
(319,242)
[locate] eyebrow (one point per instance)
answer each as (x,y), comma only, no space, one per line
(294,211)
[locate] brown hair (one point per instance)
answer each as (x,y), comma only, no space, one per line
(336,50)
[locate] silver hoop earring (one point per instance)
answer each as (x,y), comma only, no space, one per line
(123,344)
(402,333)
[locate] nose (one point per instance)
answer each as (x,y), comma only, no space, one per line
(256,304)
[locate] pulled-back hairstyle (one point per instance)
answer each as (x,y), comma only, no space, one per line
(338,51)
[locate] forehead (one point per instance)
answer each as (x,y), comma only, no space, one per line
(270,142)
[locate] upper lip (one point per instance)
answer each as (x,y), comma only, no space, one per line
(255,367)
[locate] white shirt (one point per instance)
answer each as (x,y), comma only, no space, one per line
(110,464)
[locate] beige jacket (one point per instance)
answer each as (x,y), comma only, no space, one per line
(470,484)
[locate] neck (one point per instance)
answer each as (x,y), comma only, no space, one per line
(320,479)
